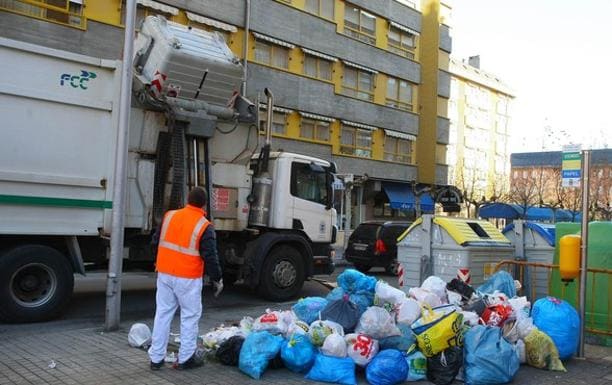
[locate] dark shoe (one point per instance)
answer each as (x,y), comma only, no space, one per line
(191,363)
(157,365)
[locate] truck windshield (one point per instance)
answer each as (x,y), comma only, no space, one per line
(308,184)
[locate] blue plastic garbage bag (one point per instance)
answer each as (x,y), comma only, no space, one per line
(353,281)
(298,353)
(417,366)
(343,312)
(401,343)
(502,281)
(307,309)
(256,352)
(560,321)
(489,358)
(333,369)
(388,367)
(363,299)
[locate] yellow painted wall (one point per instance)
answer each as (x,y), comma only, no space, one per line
(108,12)
(428,94)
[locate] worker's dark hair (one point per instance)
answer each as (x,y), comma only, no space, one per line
(197,197)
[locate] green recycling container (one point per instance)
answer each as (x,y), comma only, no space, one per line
(599,295)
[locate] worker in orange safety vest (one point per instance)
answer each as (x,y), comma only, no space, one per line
(186,246)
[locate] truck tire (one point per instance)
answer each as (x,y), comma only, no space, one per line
(282,274)
(36,283)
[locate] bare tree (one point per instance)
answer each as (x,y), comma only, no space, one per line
(523,191)
(600,193)
(473,193)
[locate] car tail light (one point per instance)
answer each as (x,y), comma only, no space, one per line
(380,247)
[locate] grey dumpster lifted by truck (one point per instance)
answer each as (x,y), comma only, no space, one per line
(272,210)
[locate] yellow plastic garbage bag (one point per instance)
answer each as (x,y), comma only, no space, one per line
(440,330)
(542,352)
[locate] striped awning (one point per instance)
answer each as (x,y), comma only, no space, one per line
(319,54)
(211,22)
(404,28)
(273,40)
(359,125)
(350,64)
(158,6)
(316,117)
(276,109)
(400,135)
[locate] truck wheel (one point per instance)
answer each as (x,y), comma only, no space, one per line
(282,274)
(36,283)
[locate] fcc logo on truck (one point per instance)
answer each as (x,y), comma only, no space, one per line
(77,81)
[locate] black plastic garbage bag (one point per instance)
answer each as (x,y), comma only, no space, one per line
(228,352)
(458,286)
(343,312)
(477,306)
(444,367)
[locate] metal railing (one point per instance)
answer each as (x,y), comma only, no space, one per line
(537,280)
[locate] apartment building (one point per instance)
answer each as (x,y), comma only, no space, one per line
(363,83)
(479,112)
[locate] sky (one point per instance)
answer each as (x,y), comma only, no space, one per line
(557,57)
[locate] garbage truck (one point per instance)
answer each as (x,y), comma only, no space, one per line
(272,210)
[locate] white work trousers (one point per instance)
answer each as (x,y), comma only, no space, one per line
(173,292)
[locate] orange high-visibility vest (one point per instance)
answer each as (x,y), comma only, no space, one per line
(178,253)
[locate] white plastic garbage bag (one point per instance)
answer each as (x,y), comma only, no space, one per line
(377,323)
(409,311)
(520,351)
(361,348)
(454,298)
(319,330)
(272,322)
(214,338)
(246,325)
(297,327)
(470,318)
(524,326)
(387,296)
(334,346)
(139,336)
(437,286)
(425,297)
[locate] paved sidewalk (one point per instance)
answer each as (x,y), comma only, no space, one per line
(83,354)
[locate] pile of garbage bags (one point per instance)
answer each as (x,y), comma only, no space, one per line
(438,331)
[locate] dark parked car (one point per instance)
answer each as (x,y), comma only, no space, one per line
(374,244)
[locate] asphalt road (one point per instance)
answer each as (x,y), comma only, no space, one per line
(138,296)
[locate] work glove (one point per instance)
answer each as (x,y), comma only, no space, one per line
(218,286)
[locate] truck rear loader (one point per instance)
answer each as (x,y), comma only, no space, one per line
(272,211)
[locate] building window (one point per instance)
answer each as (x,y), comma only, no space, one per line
(398,150)
(401,42)
(355,141)
(399,94)
(323,8)
(279,122)
(57,11)
(271,54)
(143,12)
(358,83)
(317,67)
(314,130)
(359,24)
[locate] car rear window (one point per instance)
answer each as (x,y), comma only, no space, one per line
(366,231)
(391,232)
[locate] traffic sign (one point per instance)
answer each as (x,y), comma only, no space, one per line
(570,166)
